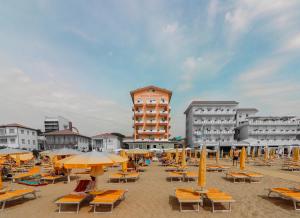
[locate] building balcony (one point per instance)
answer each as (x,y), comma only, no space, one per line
(151,131)
(218,113)
(151,102)
(206,122)
(163,113)
(139,102)
(163,103)
(273,123)
(163,123)
(139,112)
(139,123)
(271,132)
(151,122)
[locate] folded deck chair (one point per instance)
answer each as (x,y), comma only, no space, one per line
(287,193)
(188,196)
(237,176)
(215,196)
(107,198)
(175,175)
(15,194)
(33,172)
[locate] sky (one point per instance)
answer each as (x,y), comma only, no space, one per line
(80,59)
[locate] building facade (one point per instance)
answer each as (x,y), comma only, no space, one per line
(211,123)
(269,130)
(18,136)
(67,139)
(52,124)
(106,142)
(151,113)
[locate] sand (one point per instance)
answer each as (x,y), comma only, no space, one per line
(153,196)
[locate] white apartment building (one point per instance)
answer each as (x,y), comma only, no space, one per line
(270,130)
(18,136)
(211,123)
(106,142)
(56,124)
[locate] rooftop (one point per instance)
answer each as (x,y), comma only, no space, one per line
(16,125)
(150,87)
(211,103)
(64,132)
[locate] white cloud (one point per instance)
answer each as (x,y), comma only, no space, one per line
(170,28)
(27,101)
(291,44)
(212,11)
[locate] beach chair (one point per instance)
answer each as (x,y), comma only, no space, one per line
(216,196)
(287,193)
(33,172)
(107,198)
(175,175)
(133,176)
(15,194)
(241,177)
(115,177)
(70,199)
(254,177)
(191,176)
(78,196)
(188,196)
(54,178)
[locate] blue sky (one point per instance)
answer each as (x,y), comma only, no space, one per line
(80,59)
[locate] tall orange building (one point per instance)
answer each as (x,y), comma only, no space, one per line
(151,113)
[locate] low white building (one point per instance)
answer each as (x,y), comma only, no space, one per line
(67,139)
(106,142)
(18,136)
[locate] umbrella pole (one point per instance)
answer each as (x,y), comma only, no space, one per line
(69,178)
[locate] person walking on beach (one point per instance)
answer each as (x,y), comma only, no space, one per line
(235,156)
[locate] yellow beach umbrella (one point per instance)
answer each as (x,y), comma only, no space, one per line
(23,157)
(231,153)
(18,161)
(183,161)
(243,158)
(169,156)
(124,164)
(258,152)
(177,156)
(195,153)
(253,153)
(1,184)
(217,156)
(296,154)
(266,154)
(202,169)
(222,154)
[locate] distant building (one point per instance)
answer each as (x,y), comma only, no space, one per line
(151,117)
(18,136)
(270,130)
(107,142)
(211,123)
(56,124)
(67,139)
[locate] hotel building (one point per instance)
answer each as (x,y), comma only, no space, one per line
(151,117)
(223,124)
(211,123)
(18,136)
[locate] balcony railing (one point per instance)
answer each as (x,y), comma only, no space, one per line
(206,122)
(138,102)
(272,123)
(151,102)
(199,112)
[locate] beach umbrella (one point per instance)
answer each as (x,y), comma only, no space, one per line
(195,153)
(9,151)
(222,153)
(231,153)
(266,154)
(252,153)
(1,184)
(243,158)
(177,156)
(183,161)
(124,164)
(258,152)
(23,157)
(217,156)
(202,169)
(18,161)
(169,156)
(296,154)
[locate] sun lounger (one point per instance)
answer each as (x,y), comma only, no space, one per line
(237,176)
(107,198)
(33,172)
(71,199)
(175,175)
(188,196)
(124,176)
(254,177)
(288,194)
(52,179)
(215,196)
(15,194)
(191,176)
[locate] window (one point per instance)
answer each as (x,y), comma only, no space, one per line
(22,131)
(27,132)
(11,130)
(33,133)
(12,141)
(23,141)
(3,141)
(33,142)
(28,141)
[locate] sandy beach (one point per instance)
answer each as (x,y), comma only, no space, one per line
(153,196)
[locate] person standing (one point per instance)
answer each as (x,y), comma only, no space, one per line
(235,156)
